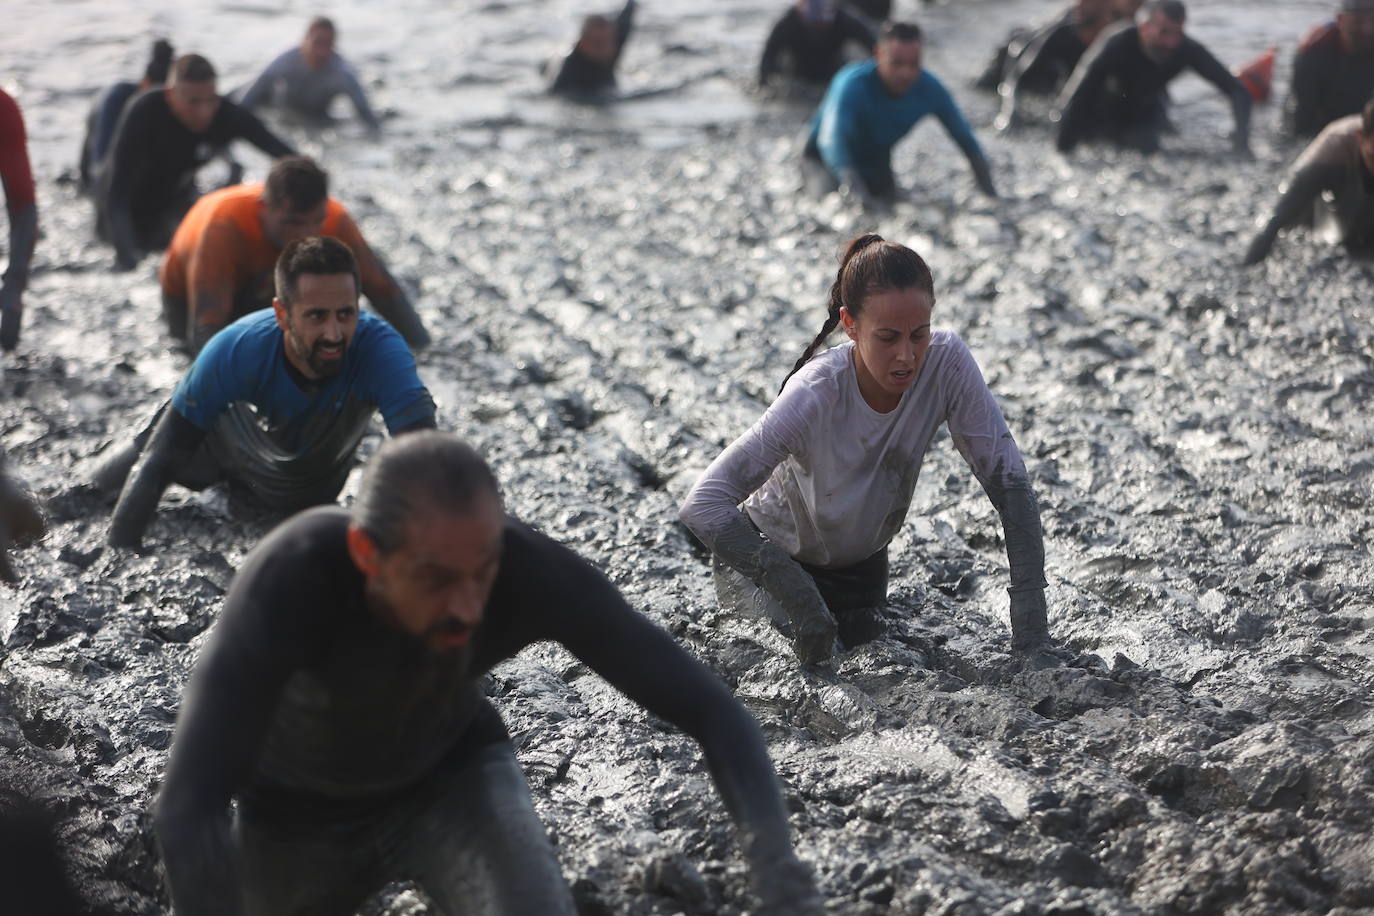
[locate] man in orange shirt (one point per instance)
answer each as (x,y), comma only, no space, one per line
(219,265)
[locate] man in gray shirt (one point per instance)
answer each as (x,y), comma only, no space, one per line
(1331,185)
(306,79)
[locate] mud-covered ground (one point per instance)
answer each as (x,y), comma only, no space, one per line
(615,295)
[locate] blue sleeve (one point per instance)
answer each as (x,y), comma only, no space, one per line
(942,104)
(213,384)
(393,383)
(839,117)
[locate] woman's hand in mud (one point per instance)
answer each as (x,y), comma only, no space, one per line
(814,636)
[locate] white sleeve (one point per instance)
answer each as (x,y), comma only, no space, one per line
(712,507)
(977,426)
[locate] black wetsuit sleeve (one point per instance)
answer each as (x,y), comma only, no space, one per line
(128,164)
(778,39)
(1205,64)
(173,442)
(249,126)
(624,25)
(583,611)
(225,713)
(1305,117)
(1080,94)
(855,29)
(1299,192)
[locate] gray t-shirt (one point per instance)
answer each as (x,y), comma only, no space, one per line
(293,85)
(829,479)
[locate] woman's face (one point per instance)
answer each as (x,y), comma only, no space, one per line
(891,336)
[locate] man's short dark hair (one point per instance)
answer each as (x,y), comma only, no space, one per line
(192,68)
(1172,9)
(1367,119)
(899,31)
(418,471)
(315,254)
(297,184)
(320,22)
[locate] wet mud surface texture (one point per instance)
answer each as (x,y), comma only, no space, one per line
(614,296)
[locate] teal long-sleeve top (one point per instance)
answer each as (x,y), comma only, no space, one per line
(859,121)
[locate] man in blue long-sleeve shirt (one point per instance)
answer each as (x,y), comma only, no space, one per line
(872,105)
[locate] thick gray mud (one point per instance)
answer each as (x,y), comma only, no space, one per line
(615,294)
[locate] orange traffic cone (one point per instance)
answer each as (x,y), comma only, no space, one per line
(1258,76)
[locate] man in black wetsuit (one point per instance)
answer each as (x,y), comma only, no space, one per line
(339,700)
(1339,163)
(1040,62)
(589,68)
(148,183)
(1117,92)
(277,401)
(109,107)
(808,42)
(1333,71)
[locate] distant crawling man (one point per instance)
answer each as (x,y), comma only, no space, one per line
(278,401)
(589,68)
(339,700)
(1331,186)
(306,79)
(1117,92)
(868,108)
(149,179)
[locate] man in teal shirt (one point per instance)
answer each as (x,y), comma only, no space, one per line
(868,108)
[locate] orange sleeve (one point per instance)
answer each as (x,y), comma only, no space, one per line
(377,284)
(212,278)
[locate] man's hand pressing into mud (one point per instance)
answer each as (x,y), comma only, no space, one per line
(785,887)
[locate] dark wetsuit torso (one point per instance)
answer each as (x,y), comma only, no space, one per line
(813,54)
(1328,83)
(1048,58)
(1117,91)
(148,183)
(580,75)
(100,127)
(302,697)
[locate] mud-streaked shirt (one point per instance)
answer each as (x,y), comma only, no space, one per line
(246,362)
(829,479)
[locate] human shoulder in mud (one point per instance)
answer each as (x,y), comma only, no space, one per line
(589,68)
(163,138)
(306,79)
(827,474)
(21,204)
(1333,70)
(1117,93)
(219,264)
(20,520)
(278,401)
(868,107)
(1040,62)
(109,107)
(1330,184)
(808,43)
(339,701)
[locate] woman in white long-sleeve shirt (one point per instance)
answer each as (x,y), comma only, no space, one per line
(826,475)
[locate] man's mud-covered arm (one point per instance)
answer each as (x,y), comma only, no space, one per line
(173,442)
(586,613)
(959,130)
(624,25)
(1032,63)
(1077,97)
(1303,111)
(224,715)
(126,167)
(250,127)
(1214,71)
(1297,196)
